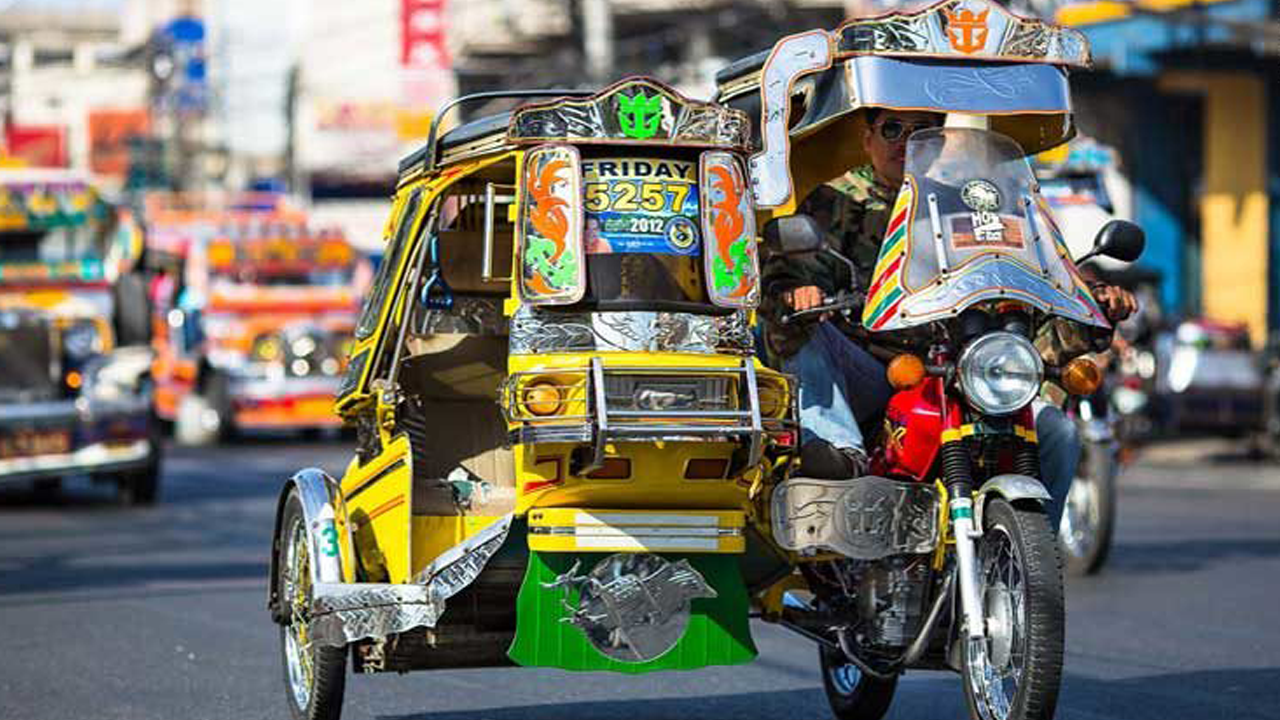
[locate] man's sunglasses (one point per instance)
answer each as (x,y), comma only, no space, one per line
(893,130)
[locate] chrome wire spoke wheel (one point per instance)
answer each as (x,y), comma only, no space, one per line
(996,664)
(297,593)
(314,673)
(1080,518)
(1015,670)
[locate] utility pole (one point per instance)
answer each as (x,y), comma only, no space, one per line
(597,40)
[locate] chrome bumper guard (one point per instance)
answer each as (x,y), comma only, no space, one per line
(602,424)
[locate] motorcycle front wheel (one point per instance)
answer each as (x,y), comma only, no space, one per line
(853,694)
(1015,671)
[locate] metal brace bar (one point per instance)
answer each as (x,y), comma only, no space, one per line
(602,416)
(939,248)
(757,425)
(490,201)
(1030,208)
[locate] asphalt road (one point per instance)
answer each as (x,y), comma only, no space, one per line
(159,613)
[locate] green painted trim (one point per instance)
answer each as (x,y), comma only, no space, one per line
(719,632)
(962,511)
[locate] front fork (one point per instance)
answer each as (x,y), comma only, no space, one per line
(957,473)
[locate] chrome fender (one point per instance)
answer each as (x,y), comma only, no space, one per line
(1011,487)
(324,514)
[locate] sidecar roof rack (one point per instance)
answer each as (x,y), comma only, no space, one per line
(425,158)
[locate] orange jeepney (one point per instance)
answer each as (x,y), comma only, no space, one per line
(254,313)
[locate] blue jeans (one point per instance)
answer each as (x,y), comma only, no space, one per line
(842,385)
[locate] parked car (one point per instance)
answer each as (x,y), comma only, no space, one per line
(76,392)
(1209,380)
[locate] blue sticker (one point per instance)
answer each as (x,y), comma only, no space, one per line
(641,205)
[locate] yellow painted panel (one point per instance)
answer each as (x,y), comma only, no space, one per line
(657,478)
(435,534)
(379,503)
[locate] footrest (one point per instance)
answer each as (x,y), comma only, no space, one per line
(343,613)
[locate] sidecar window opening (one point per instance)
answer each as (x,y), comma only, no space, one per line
(372,311)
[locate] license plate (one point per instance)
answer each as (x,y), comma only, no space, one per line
(31,443)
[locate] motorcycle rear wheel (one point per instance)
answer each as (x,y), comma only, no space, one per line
(853,694)
(1015,672)
(1089,515)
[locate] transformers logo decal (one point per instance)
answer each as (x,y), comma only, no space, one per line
(633,607)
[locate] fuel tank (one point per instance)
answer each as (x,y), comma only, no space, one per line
(912,432)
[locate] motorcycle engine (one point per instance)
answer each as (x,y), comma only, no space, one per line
(891,597)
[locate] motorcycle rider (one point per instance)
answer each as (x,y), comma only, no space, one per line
(842,373)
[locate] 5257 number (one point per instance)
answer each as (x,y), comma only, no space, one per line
(634,196)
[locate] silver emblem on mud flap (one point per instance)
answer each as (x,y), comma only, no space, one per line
(867,518)
(633,607)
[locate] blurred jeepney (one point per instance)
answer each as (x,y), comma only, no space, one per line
(254,314)
(75,392)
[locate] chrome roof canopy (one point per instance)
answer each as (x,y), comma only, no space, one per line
(956,56)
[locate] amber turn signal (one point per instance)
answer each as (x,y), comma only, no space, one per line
(1081,376)
(905,371)
(542,398)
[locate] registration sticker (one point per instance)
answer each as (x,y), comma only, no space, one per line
(641,205)
(986,230)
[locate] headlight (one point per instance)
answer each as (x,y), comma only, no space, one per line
(1000,372)
(268,348)
(81,340)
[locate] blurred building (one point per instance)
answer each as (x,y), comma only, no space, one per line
(70,90)
(1189,90)
(541,43)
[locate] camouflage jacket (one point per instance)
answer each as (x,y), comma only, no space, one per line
(854,209)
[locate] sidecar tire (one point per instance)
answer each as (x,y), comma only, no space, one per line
(870,697)
(329,664)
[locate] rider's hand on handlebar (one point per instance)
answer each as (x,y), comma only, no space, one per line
(1116,302)
(803,298)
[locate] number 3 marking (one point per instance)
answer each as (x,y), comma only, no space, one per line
(330,535)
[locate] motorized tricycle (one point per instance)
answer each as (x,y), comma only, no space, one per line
(579,463)
(563,435)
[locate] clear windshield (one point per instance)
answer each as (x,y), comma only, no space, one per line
(58,253)
(970,226)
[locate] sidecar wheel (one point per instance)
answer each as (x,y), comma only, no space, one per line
(314,676)
(1015,672)
(853,695)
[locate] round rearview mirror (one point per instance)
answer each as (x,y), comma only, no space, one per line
(1119,240)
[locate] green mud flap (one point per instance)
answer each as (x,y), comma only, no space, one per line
(718,632)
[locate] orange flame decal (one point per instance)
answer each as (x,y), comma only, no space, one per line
(727,223)
(548,215)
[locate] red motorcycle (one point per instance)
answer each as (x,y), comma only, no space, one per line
(943,556)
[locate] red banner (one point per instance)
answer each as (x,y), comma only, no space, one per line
(38,145)
(422,34)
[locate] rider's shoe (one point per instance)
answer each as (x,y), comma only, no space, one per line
(820,459)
